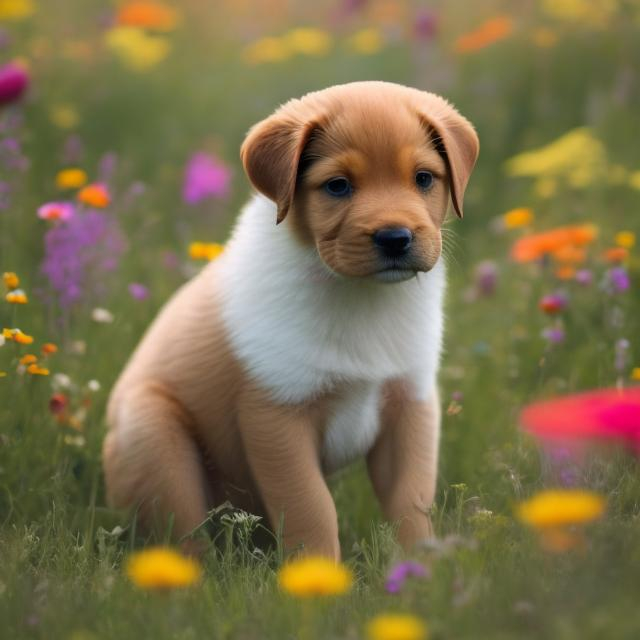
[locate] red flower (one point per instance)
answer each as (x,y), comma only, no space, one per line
(58,403)
(13,82)
(601,414)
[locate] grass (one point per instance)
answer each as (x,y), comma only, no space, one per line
(62,550)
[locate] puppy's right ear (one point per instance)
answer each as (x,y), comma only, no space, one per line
(271,154)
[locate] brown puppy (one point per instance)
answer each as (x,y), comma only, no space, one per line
(308,343)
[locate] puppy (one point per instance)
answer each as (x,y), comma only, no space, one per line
(315,337)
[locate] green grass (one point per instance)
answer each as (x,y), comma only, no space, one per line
(61,551)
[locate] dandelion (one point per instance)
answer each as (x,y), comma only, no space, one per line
(149,15)
(62,211)
(94,195)
(17,336)
(366,42)
(205,250)
(162,568)
(515,218)
(396,627)
(11,280)
(314,576)
(489,32)
(206,176)
(37,370)
(71,178)
(14,81)
(403,570)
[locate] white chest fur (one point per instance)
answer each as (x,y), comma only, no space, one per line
(301,330)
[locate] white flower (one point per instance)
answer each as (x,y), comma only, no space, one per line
(93,385)
(60,381)
(103,316)
(2,339)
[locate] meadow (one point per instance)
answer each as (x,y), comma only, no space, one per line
(120,125)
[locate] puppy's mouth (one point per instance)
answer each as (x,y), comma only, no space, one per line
(395,274)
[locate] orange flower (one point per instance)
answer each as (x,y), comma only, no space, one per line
(616,254)
(48,348)
(565,272)
(95,195)
(11,280)
(35,370)
(487,33)
(535,246)
(17,336)
(569,254)
(29,358)
(17,296)
(148,15)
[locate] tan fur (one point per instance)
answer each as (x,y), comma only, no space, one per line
(190,429)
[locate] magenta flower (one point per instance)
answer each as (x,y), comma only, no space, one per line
(425,25)
(555,335)
(56,211)
(205,177)
(138,291)
(619,281)
(14,81)
(400,572)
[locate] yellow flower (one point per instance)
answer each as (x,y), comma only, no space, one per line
(634,180)
(268,49)
(36,370)
(366,41)
(17,336)
(16,9)
(544,37)
(17,296)
(396,627)
(3,374)
(29,358)
(521,217)
(94,195)
(625,239)
(311,42)
(72,178)
(11,280)
(136,49)
(205,250)
(561,507)
(162,568)
(587,12)
(314,576)
(64,116)
(635,373)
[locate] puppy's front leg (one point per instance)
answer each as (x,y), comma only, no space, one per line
(282,449)
(403,462)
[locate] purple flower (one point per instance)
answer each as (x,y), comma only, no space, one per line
(205,177)
(78,253)
(14,81)
(425,25)
(138,291)
(555,335)
(400,572)
(486,277)
(619,280)
(584,277)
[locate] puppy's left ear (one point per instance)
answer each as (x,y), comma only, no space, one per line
(271,154)
(458,143)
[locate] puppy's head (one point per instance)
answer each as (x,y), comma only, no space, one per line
(363,172)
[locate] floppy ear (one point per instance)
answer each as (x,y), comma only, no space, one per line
(271,154)
(458,143)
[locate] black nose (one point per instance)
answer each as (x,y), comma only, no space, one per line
(394,241)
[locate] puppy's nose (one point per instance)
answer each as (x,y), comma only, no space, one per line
(393,241)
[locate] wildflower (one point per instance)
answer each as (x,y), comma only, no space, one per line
(16,9)
(64,116)
(634,180)
(635,374)
(625,239)
(138,291)
(584,277)
(93,386)
(95,195)
(162,568)
(58,403)
(425,25)
(61,381)
(618,280)
(544,38)
(205,250)
(535,246)
(565,272)
(3,374)
(569,254)
(311,42)
(554,335)
(268,49)
(485,280)
(521,217)
(17,336)
(592,14)
(11,280)
(621,354)
(314,576)
(553,303)
(36,370)
(136,49)
(72,178)
(615,254)
(205,176)
(2,340)
(604,414)
(403,570)
(56,211)
(561,507)
(28,358)
(396,627)
(102,316)
(367,41)
(14,81)
(489,32)
(149,15)
(48,348)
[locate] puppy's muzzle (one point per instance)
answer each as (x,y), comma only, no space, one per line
(393,242)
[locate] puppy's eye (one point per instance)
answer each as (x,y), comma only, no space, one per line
(338,187)
(424,180)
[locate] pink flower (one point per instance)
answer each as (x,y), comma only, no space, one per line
(205,177)
(14,81)
(56,211)
(138,291)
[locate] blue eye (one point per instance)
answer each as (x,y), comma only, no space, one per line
(338,187)
(424,180)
